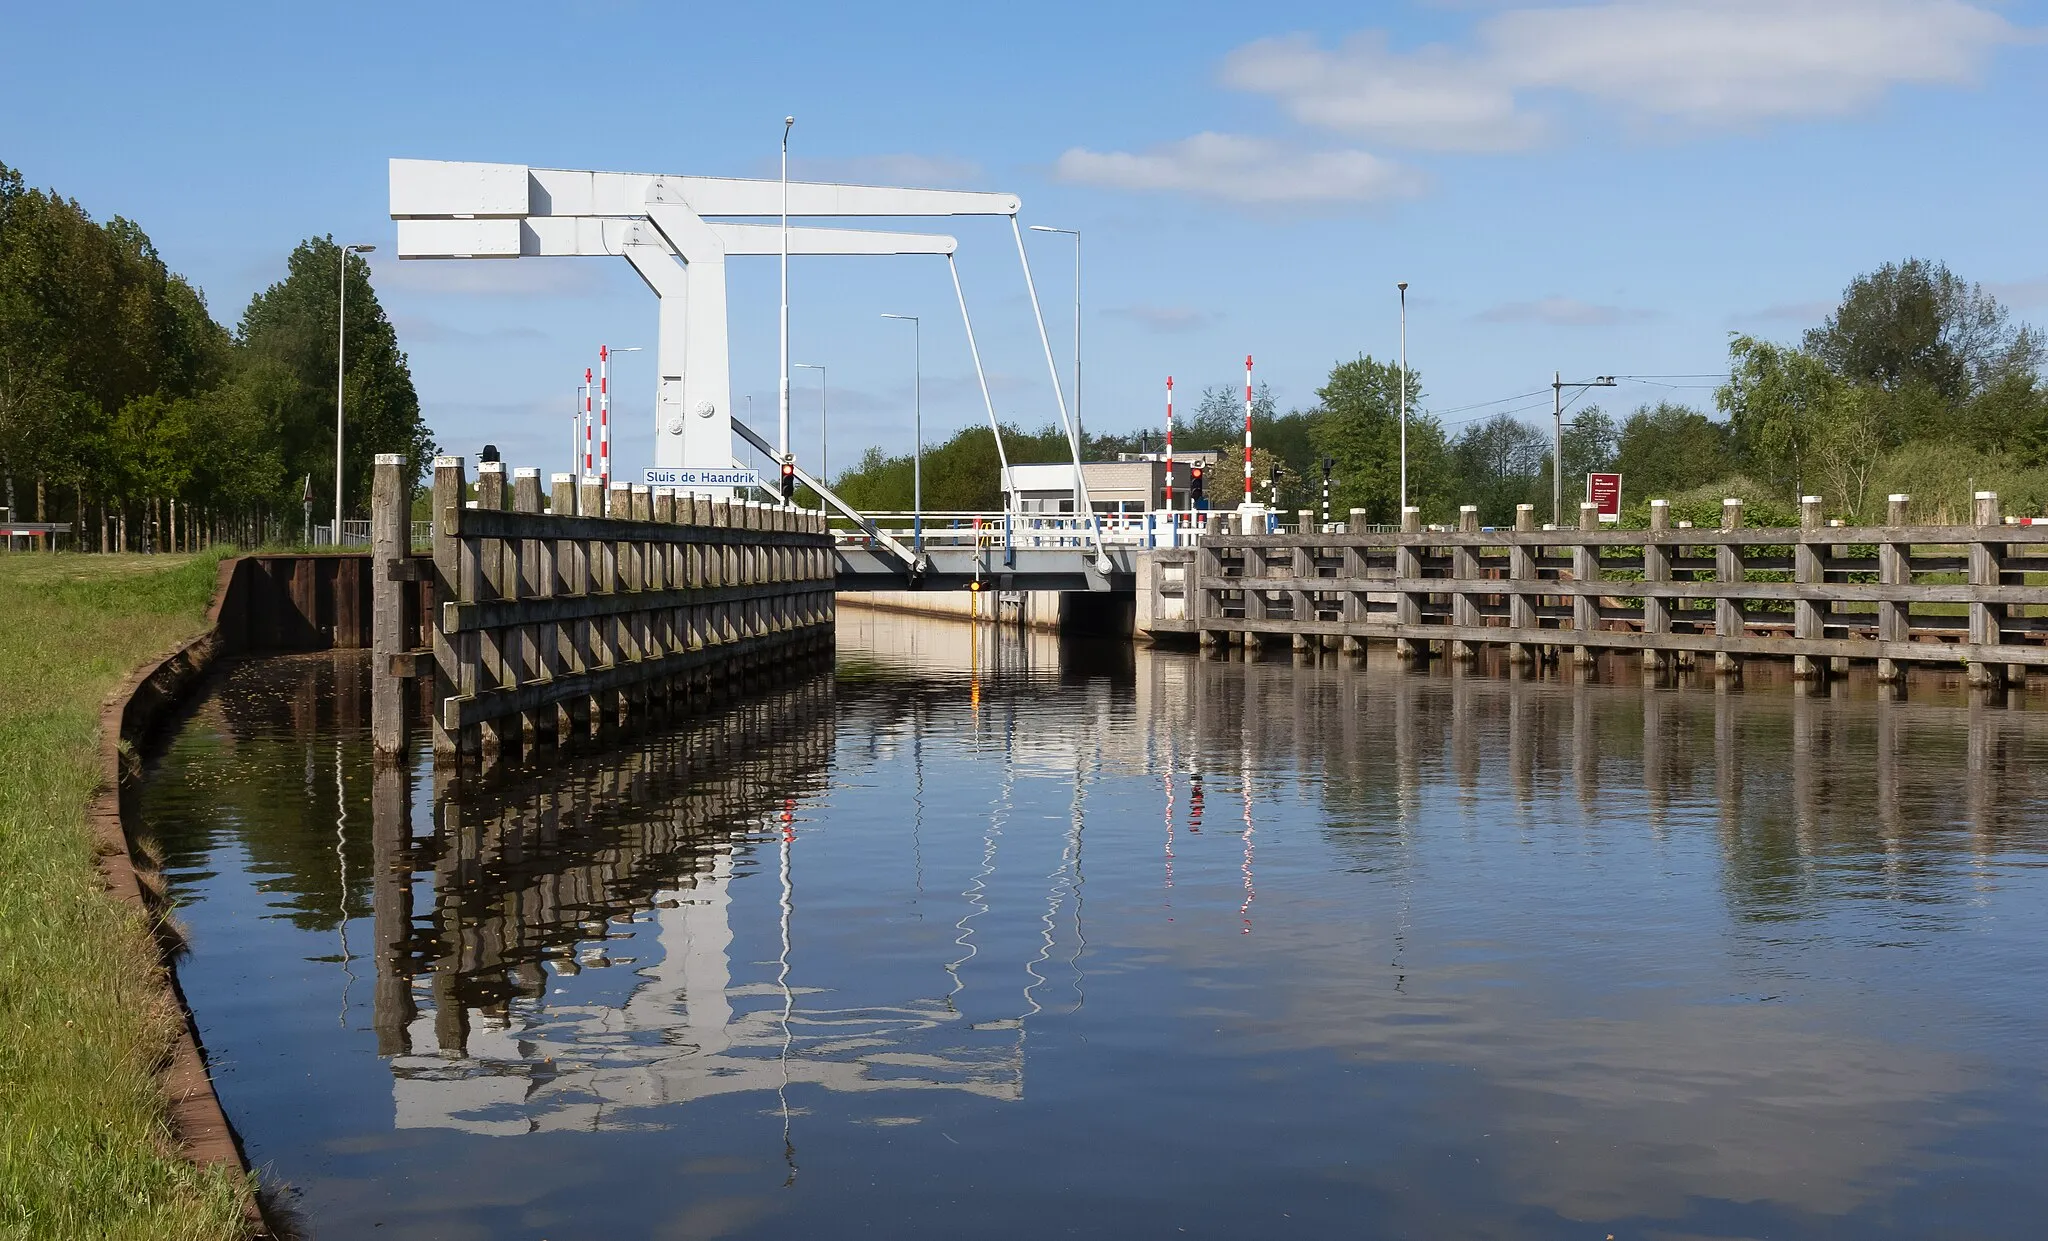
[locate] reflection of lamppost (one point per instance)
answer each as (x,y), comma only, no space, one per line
(824,466)
(917,419)
(341,377)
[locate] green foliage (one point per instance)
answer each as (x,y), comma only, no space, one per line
(1669,448)
(1498,464)
(1359,424)
(1914,357)
(118,388)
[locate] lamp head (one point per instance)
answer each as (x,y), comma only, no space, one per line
(1401,285)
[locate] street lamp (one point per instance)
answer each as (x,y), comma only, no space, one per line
(1557,387)
(824,469)
(783,414)
(1079,436)
(917,419)
(1403,287)
(341,377)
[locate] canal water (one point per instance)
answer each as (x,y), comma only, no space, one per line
(983,937)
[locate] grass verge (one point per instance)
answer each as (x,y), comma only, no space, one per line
(85,1147)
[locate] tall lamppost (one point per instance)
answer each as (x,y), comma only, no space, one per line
(1403,287)
(783,415)
(341,377)
(1079,437)
(824,463)
(917,419)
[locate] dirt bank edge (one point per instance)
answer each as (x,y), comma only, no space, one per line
(142,701)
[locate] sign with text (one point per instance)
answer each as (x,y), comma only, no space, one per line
(690,477)
(1604,493)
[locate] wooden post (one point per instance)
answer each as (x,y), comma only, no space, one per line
(390,510)
(1585,568)
(565,558)
(1408,603)
(1986,619)
(1894,620)
(449,653)
(1465,568)
(591,564)
(1807,609)
(1656,568)
(525,641)
(1728,569)
(1522,571)
(483,570)
(1357,607)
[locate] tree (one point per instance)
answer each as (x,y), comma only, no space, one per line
(1498,464)
(1358,423)
(291,327)
(1933,345)
(1666,449)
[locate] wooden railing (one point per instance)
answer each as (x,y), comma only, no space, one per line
(1820,594)
(555,618)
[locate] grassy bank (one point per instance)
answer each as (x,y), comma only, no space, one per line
(85,1150)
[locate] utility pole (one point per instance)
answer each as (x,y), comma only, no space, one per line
(1557,387)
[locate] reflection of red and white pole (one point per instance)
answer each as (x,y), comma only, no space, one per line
(1247,429)
(604,416)
(587,390)
(1169,447)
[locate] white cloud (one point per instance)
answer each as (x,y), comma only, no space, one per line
(1433,99)
(1165,319)
(1792,312)
(1244,170)
(1700,63)
(1564,312)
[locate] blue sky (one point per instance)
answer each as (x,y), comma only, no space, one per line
(1598,188)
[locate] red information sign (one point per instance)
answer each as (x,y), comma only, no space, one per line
(1604,492)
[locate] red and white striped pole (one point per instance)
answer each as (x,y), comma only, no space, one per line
(604,417)
(1169,447)
(1248,430)
(588,388)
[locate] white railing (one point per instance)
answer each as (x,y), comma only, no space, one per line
(1044,531)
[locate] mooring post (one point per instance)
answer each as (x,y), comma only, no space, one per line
(1728,570)
(525,572)
(1357,602)
(450,653)
(1986,619)
(564,560)
(1806,609)
(1522,572)
(1408,603)
(1656,568)
(390,510)
(1465,568)
(1585,568)
(1893,560)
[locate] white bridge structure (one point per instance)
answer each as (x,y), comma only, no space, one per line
(678,232)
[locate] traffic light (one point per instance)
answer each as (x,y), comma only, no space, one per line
(1195,491)
(788,480)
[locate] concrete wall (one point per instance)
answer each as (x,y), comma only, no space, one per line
(1075,613)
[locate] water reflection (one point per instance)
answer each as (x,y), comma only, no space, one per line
(1136,941)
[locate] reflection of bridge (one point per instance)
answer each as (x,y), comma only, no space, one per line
(558,873)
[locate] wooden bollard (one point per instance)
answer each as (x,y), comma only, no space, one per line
(1465,567)
(1892,570)
(1728,612)
(1585,568)
(1656,568)
(1522,569)
(390,548)
(1986,618)
(451,654)
(1806,571)
(1408,604)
